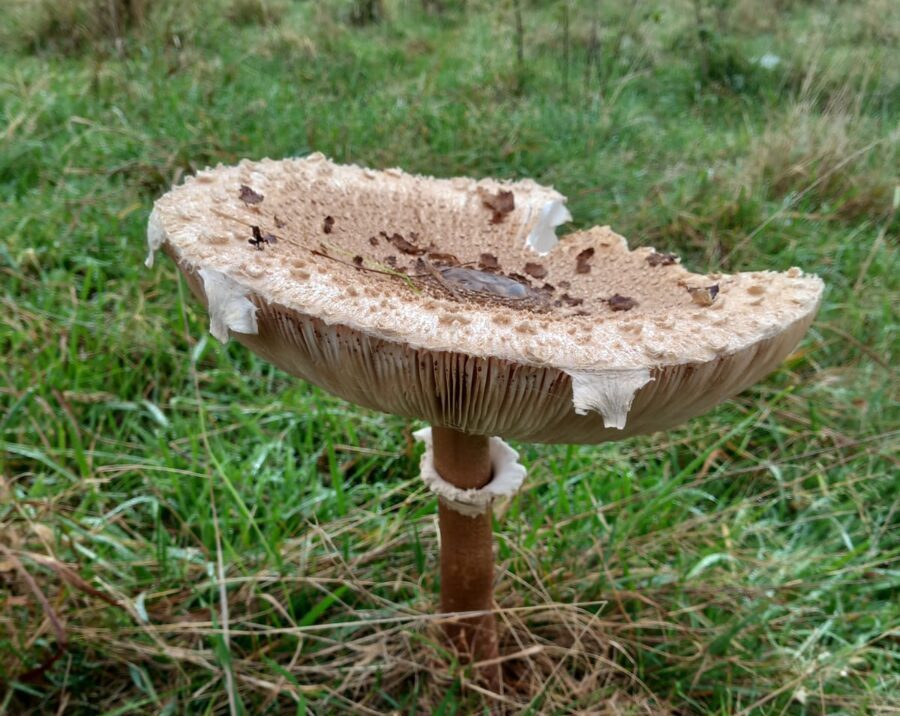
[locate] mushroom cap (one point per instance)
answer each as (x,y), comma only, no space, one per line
(427,298)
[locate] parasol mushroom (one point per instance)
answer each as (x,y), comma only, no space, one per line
(451,301)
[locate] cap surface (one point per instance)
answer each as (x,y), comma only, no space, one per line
(450,301)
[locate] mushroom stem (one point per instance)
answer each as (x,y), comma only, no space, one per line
(467,555)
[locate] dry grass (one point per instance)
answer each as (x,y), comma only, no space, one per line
(871,21)
(103,27)
(556,654)
(368,631)
(820,157)
(256,12)
(825,159)
(73,26)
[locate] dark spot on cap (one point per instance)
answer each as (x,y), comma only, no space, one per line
(565,285)
(373,240)
(488,262)
(328,224)
(390,260)
(548,287)
(357,260)
(661,259)
(279,224)
(618,302)
(248,196)
(583,261)
(535,269)
(258,240)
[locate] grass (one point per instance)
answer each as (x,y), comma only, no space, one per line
(184,529)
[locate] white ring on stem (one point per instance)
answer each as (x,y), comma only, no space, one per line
(507,475)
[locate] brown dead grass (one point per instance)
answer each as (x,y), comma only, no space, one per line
(380,635)
(834,158)
(255,12)
(821,158)
(875,21)
(73,26)
(99,27)
(555,654)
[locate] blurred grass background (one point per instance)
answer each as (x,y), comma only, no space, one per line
(184,529)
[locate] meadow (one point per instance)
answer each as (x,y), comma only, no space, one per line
(185,529)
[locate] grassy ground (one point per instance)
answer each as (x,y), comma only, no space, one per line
(184,529)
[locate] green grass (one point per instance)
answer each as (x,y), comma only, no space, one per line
(748,562)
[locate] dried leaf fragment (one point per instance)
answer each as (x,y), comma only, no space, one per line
(535,270)
(248,196)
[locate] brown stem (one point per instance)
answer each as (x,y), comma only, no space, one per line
(467,556)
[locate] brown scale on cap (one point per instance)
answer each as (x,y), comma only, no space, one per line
(248,196)
(569,300)
(618,302)
(501,203)
(704,295)
(488,262)
(583,260)
(661,259)
(535,270)
(402,244)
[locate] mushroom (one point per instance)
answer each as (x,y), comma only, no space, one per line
(406,294)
